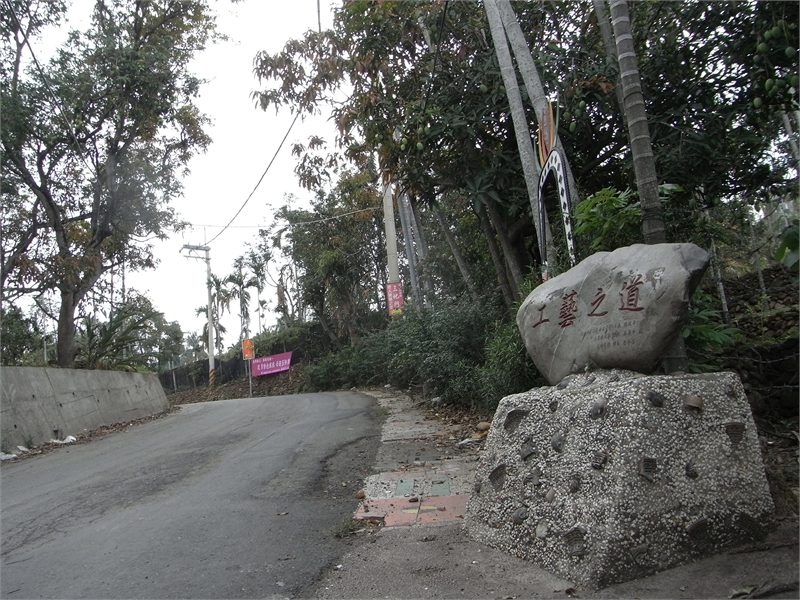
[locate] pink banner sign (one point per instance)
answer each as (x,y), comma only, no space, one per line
(394,297)
(264,365)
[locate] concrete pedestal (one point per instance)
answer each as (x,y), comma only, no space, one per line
(612,475)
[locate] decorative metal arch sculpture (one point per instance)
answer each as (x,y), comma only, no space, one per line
(555,164)
(553,161)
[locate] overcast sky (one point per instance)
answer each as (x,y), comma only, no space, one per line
(244,140)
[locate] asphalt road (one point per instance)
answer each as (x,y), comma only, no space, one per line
(230,499)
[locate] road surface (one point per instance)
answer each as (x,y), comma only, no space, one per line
(230,499)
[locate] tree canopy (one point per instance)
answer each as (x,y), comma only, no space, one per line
(95,141)
(425,101)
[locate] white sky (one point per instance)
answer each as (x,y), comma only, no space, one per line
(244,140)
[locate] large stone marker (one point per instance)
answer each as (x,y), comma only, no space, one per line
(615,309)
(611,474)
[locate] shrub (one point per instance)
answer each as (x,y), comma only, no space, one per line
(464,352)
(705,334)
(508,368)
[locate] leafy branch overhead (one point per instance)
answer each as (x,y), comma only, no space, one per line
(95,142)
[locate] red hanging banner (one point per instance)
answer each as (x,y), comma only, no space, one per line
(394,297)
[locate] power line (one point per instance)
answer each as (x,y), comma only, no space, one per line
(193,225)
(57,102)
(259,181)
(347,214)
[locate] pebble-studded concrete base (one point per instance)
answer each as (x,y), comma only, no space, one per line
(612,475)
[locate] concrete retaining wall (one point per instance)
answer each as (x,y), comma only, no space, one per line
(43,404)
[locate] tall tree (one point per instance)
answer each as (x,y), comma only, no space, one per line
(219,329)
(241,282)
(653,228)
(94,142)
(337,249)
(435,112)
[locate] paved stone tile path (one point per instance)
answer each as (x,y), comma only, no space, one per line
(417,484)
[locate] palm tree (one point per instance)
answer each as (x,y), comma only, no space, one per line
(219,328)
(644,164)
(193,346)
(257,263)
(241,283)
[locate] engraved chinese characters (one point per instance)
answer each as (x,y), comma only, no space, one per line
(621,309)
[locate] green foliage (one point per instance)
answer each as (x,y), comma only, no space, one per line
(789,252)
(306,339)
(135,337)
(108,345)
(336,370)
(610,219)
(439,349)
(462,352)
(508,368)
(705,334)
(94,144)
(442,349)
(20,338)
(333,251)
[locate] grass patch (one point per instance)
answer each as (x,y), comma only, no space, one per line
(347,527)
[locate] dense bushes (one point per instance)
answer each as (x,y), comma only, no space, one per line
(464,353)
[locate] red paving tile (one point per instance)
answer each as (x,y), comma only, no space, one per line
(375,509)
(443,508)
(394,511)
(400,518)
(398,512)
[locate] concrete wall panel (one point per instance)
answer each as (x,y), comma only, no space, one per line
(41,404)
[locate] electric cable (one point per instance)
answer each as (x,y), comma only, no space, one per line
(347,214)
(59,107)
(274,156)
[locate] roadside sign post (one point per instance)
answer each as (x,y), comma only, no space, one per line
(248,354)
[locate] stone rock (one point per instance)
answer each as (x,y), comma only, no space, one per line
(620,309)
(483,426)
(657,486)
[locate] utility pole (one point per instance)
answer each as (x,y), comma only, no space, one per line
(206,249)
(391,234)
(408,239)
(394,289)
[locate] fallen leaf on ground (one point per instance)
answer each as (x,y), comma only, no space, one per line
(745,590)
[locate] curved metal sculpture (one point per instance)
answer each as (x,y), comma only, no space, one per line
(555,164)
